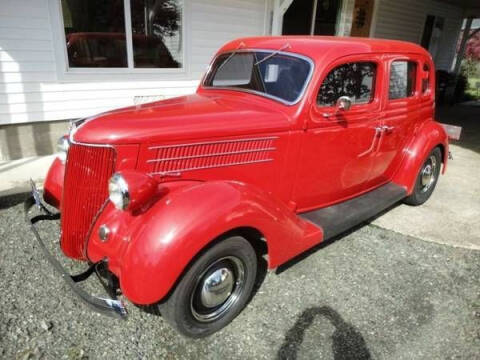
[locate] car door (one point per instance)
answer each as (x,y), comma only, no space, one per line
(337,145)
(401,111)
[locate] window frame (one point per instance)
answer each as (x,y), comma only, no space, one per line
(262,94)
(416,83)
(321,116)
(66,73)
(428,90)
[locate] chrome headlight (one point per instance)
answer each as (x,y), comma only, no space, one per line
(118,192)
(62,147)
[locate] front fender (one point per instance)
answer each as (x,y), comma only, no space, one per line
(53,185)
(162,241)
(430,135)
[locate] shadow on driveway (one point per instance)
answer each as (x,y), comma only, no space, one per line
(347,342)
(10,200)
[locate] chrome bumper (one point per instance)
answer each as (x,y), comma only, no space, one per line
(111,307)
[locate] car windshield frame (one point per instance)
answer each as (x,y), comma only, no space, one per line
(260,93)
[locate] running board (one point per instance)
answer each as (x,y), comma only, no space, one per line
(340,217)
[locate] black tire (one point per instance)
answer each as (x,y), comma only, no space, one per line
(425,184)
(185,308)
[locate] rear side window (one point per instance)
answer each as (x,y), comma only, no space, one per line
(402,79)
(355,80)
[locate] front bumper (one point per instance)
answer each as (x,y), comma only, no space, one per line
(108,306)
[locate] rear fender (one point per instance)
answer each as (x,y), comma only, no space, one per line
(430,135)
(170,234)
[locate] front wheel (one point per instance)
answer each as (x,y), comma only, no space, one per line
(214,289)
(427,179)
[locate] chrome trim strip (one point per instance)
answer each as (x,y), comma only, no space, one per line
(178,172)
(74,128)
(88,144)
(214,154)
(287,53)
(212,142)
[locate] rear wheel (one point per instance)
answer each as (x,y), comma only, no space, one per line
(214,290)
(427,179)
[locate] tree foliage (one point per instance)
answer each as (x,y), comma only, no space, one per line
(354,80)
(472,50)
(162,17)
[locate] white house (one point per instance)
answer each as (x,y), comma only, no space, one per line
(66,59)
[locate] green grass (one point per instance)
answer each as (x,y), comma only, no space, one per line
(472,89)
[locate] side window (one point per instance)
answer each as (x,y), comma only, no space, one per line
(355,80)
(426,79)
(402,79)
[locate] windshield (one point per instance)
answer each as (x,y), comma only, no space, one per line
(268,73)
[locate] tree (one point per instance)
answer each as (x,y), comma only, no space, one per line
(472,50)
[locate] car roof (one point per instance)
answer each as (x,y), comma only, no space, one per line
(325,48)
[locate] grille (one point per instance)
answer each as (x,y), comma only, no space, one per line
(85,190)
(176,159)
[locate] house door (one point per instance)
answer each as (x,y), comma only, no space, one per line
(311,17)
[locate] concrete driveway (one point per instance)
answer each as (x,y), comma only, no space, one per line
(452,215)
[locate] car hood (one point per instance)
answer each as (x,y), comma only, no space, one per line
(186,117)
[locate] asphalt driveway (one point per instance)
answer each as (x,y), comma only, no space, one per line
(373,293)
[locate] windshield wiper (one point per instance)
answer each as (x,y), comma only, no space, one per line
(230,56)
(286,46)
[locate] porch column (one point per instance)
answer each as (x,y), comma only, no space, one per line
(463,44)
(279,9)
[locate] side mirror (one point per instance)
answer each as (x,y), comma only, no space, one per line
(344,103)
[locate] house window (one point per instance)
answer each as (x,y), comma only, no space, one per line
(355,80)
(105,34)
(402,79)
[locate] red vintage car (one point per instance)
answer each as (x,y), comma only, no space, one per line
(288,142)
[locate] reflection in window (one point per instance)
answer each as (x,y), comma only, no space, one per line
(95,33)
(234,72)
(355,80)
(402,79)
(156,30)
(276,75)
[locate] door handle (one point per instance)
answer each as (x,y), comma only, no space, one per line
(386,128)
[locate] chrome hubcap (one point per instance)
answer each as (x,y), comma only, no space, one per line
(428,173)
(218,289)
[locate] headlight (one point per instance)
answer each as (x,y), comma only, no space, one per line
(118,192)
(132,190)
(62,147)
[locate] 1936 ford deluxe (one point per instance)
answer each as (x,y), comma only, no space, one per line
(287,142)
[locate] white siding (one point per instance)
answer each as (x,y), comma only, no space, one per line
(404,20)
(30,89)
